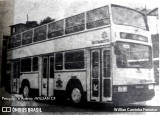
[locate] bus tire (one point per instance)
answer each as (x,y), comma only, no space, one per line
(76,95)
(26,91)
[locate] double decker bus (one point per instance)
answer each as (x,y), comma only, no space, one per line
(102,55)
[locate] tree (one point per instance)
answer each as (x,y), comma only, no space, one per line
(46,20)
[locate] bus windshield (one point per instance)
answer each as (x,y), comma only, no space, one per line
(125,16)
(131,55)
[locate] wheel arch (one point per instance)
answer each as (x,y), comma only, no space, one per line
(72,82)
(24,82)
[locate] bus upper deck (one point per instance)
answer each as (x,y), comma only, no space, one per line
(125,20)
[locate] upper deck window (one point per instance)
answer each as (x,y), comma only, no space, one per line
(98,17)
(9,43)
(126,16)
(75,23)
(40,33)
(27,37)
(16,40)
(55,29)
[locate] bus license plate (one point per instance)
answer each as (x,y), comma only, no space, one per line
(139,87)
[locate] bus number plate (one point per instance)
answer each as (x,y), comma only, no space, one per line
(139,87)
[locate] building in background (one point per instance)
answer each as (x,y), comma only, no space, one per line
(6,19)
(18,28)
(153,19)
(1,35)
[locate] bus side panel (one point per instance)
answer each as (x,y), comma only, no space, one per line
(62,78)
(32,78)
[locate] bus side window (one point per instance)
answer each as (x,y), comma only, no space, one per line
(16,40)
(98,17)
(8,66)
(51,67)
(55,29)
(16,64)
(35,64)
(59,61)
(26,65)
(95,65)
(27,37)
(9,43)
(74,60)
(75,23)
(106,66)
(40,33)
(14,69)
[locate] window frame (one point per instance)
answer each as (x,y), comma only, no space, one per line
(41,36)
(16,68)
(25,66)
(37,69)
(16,42)
(57,30)
(51,74)
(9,44)
(130,43)
(73,63)
(29,38)
(99,20)
(144,17)
(62,64)
(75,26)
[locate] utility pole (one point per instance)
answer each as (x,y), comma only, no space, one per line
(27,18)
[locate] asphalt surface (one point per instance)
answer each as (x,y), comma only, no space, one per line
(64,107)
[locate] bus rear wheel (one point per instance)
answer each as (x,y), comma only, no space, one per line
(26,91)
(76,95)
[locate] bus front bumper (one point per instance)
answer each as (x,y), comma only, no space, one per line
(135,95)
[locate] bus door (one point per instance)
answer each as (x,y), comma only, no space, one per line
(48,76)
(16,76)
(100,75)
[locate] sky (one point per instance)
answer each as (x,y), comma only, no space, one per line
(37,10)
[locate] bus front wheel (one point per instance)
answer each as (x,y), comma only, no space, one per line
(76,95)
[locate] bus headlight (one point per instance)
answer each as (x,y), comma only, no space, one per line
(122,88)
(150,87)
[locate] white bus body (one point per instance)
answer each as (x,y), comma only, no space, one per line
(86,63)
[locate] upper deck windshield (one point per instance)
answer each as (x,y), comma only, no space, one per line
(129,17)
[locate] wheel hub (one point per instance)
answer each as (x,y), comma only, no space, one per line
(76,95)
(26,91)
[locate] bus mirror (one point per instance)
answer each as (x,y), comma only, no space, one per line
(117,51)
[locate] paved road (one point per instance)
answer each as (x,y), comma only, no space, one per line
(66,107)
